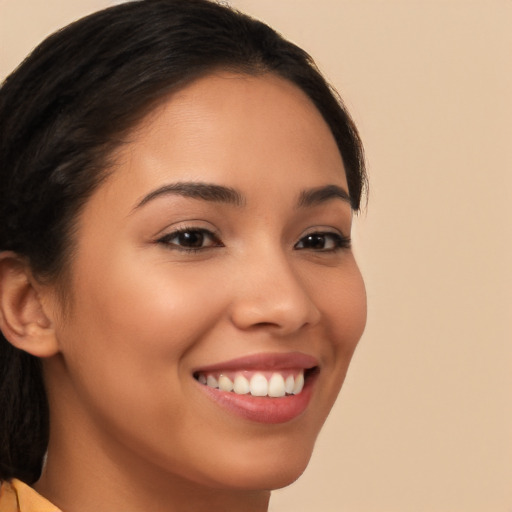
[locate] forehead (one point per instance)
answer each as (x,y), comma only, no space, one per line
(237,130)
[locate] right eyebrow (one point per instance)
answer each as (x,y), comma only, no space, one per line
(196,190)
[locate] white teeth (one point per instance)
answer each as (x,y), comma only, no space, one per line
(225,383)
(211,382)
(289,384)
(299,384)
(258,385)
(276,385)
(241,385)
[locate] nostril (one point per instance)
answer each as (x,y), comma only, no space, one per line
(265,325)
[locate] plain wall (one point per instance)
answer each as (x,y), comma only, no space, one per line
(424,421)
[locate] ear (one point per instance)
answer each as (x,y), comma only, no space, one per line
(22,318)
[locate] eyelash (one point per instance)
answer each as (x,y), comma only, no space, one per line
(338,241)
(205,233)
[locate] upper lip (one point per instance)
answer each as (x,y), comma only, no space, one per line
(266,361)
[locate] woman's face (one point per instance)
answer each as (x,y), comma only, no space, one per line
(216,252)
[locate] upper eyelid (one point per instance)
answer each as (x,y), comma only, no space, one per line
(324,230)
(187,225)
(178,231)
(338,234)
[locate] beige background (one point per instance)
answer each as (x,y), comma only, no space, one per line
(425,419)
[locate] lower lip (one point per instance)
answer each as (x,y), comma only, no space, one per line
(264,409)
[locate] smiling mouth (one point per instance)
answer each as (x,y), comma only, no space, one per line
(272,388)
(273,384)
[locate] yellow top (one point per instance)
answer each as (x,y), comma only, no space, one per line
(15,496)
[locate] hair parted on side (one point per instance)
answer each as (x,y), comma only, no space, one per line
(69,105)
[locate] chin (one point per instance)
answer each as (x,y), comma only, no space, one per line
(268,478)
(265,470)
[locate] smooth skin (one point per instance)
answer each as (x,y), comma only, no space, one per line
(163,283)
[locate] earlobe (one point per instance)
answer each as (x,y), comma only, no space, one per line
(22,318)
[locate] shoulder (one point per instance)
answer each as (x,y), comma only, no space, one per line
(15,496)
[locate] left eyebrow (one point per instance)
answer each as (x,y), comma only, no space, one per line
(319,195)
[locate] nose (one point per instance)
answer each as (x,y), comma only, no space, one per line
(271,294)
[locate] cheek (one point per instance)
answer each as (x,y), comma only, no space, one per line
(345,309)
(343,303)
(150,307)
(353,308)
(132,325)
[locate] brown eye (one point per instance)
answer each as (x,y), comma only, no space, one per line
(190,239)
(323,242)
(193,239)
(314,241)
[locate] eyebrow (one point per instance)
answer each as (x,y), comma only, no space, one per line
(228,195)
(204,191)
(316,196)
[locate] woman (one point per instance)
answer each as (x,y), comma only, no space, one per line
(179,300)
